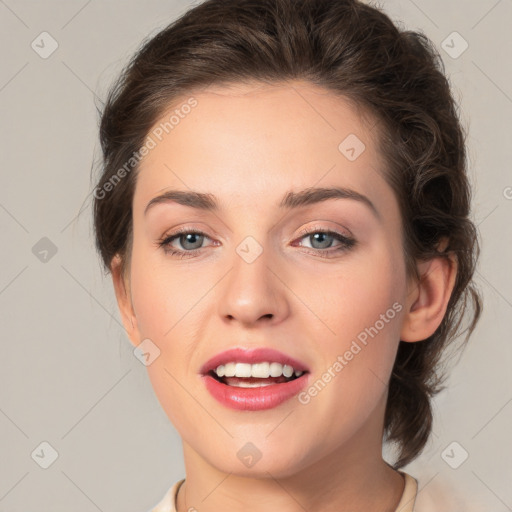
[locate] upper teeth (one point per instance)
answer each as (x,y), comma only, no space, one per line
(259,370)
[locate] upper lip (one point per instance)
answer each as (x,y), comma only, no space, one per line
(253,356)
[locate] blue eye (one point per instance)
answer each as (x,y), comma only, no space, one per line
(324,239)
(185,237)
(190,238)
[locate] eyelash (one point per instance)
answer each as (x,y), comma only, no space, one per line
(346,242)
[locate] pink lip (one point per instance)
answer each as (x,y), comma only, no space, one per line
(253,399)
(253,356)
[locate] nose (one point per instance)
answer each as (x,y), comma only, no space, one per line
(253,292)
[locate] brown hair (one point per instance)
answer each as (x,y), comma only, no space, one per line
(351,49)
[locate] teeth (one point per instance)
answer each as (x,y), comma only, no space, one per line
(258,370)
(242,384)
(276,369)
(287,371)
(229,370)
(243,370)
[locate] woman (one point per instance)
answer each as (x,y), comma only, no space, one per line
(284,209)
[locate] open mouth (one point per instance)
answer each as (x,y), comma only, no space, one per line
(255,379)
(254,387)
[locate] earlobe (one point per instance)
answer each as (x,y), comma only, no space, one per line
(124,302)
(428,299)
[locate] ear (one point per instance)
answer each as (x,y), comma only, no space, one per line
(427,299)
(124,301)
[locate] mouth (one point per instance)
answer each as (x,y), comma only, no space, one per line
(253,379)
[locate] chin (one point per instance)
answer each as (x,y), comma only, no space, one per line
(247,460)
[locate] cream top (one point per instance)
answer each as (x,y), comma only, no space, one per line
(406,504)
(443,492)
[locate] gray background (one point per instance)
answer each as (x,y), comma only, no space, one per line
(67,373)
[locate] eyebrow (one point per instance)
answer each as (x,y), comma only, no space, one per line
(291,200)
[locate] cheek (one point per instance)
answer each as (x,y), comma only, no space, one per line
(149,297)
(161,294)
(342,300)
(169,311)
(168,314)
(358,329)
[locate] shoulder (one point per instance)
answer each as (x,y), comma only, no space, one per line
(444,493)
(409,494)
(167,503)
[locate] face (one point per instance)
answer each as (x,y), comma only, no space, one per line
(319,278)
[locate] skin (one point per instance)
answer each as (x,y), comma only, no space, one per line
(249,145)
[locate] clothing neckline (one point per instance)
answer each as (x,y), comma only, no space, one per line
(406,503)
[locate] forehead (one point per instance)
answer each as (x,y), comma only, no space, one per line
(248,140)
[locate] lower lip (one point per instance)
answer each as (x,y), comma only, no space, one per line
(254,399)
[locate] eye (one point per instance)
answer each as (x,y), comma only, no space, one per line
(191,242)
(322,239)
